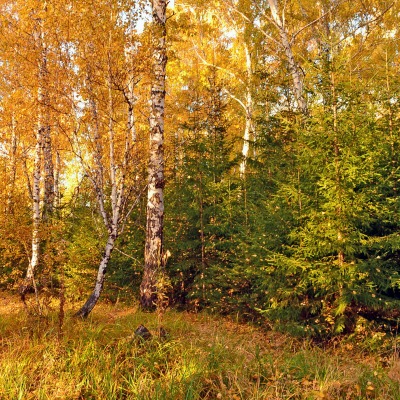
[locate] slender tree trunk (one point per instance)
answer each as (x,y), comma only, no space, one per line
(98,180)
(44,124)
(98,287)
(249,126)
(131,100)
(36,219)
(112,222)
(42,150)
(98,175)
(48,170)
(57,181)
(293,67)
(13,169)
(155,197)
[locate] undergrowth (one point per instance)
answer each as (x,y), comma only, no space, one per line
(201,357)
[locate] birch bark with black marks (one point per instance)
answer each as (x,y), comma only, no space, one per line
(155,197)
(36,219)
(97,178)
(44,124)
(115,219)
(111,222)
(43,154)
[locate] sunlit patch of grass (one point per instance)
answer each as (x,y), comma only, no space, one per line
(202,358)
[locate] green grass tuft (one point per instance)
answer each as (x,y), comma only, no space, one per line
(202,358)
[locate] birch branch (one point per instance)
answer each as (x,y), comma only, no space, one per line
(236,99)
(205,62)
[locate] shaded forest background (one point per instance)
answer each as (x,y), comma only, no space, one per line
(281,157)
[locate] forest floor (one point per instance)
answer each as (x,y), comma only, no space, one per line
(202,357)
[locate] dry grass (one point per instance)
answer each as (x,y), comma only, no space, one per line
(202,358)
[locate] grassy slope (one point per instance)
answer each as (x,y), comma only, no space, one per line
(203,358)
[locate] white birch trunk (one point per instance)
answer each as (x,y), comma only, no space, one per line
(131,99)
(293,67)
(249,107)
(155,196)
(98,287)
(42,150)
(36,208)
(36,219)
(114,222)
(44,123)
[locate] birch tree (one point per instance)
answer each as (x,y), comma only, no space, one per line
(154,257)
(42,154)
(297,78)
(110,94)
(241,17)
(114,219)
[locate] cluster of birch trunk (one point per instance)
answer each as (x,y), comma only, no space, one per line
(98,86)
(100,170)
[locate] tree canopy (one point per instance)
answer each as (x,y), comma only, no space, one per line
(279,174)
